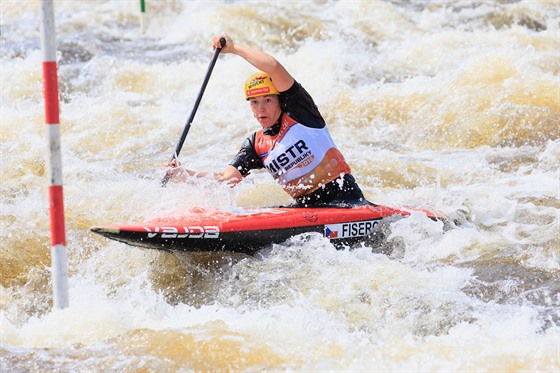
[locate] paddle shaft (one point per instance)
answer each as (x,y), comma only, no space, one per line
(181,141)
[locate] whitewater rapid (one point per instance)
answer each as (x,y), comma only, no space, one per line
(451,105)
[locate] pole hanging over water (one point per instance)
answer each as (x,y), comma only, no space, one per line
(56,200)
(143,16)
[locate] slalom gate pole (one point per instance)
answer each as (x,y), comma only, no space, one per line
(56,200)
(143,16)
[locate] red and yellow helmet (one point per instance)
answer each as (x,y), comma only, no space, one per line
(259,84)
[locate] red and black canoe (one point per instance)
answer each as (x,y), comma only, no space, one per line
(248,230)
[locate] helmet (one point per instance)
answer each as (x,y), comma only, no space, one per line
(259,84)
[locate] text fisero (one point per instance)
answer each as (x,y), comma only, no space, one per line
(291,156)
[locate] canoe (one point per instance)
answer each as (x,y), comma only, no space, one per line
(247,230)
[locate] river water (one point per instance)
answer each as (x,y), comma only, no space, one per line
(451,105)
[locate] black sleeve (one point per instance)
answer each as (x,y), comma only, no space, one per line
(246,158)
(297,104)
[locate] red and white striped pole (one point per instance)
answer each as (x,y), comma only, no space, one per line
(56,200)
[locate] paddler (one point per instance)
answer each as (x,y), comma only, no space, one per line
(294,144)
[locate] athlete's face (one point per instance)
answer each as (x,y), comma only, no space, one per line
(266,109)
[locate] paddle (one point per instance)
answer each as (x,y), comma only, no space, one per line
(179,145)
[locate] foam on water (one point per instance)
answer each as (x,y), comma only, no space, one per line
(451,106)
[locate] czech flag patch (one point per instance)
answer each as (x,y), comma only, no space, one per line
(331,233)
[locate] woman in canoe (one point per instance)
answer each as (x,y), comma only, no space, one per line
(294,144)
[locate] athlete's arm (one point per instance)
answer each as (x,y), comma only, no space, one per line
(261,60)
(230,175)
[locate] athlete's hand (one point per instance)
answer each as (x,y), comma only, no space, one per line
(175,172)
(227,48)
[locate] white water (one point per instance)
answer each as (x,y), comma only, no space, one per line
(448,105)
